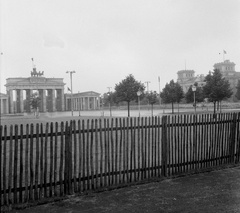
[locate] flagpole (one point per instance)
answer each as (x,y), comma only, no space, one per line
(159,93)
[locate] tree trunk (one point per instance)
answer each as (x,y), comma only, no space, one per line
(128,103)
(214,109)
(152,110)
(172,108)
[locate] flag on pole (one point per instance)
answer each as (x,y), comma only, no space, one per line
(69,89)
(224,52)
(158,79)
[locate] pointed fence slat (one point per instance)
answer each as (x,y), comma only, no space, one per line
(36,164)
(41,163)
(80,152)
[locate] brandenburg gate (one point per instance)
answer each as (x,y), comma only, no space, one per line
(50,91)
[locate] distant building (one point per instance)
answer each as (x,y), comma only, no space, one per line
(227,69)
(83,101)
(50,91)
(186,78)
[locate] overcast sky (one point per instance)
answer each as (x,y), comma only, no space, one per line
(106,40)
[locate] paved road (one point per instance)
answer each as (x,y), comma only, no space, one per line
(216,191)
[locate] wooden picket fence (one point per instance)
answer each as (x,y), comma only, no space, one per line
(54,160)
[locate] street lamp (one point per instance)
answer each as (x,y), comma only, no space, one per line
(110,99)
(194,88)
(71,72)
(138,94)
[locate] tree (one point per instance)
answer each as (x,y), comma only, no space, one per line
(127,89)
(217,88)
(172,93)
(237,95)
(152,98)
(35,102)
(189,96)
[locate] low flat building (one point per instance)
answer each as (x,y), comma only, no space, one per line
(83,101)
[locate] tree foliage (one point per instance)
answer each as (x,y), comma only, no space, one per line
(199,97)
(237,95)
(127,89)
(172,93)
(109,98)
(34,101)
(217,88)
(152,98)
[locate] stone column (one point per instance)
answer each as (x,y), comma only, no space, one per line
(98,104)
(84,103)
(21,100)
(62,99)
(88,104)
(11,107)
(18,101)
(53,101)
(28,96)
(7,106)
(74,104)
(1,109)
(43,100)
(49,100)
(94,103)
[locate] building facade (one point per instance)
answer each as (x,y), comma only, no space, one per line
(4,104)
(186,78)
(50,91)
(227,68)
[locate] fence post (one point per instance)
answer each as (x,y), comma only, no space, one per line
(233,138)
(68,160)
(164,146)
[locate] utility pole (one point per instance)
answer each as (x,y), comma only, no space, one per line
(147,82)
(159,92)
(109,89)
(71,72)
(110,97)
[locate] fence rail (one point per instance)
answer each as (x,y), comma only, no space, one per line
(58,159)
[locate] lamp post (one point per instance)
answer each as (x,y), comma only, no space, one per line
(194,88)
(138,94)
(147,82)
(71,72)
(101,104)
(110,99)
